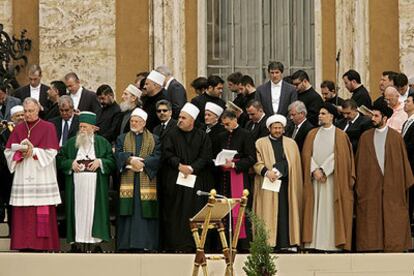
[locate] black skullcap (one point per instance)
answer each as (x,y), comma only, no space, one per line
(331,109)
(383,107)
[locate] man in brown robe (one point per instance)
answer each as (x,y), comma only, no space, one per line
(341,177)
(278,158)
(383,179)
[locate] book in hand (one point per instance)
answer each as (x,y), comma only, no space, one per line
(365,110)
(84,165)
(224,155)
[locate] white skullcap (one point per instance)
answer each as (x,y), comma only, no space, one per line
(156,77)
(215,108)
(140,113)
(134,90)
(276,119)
(191,110)
(15,109)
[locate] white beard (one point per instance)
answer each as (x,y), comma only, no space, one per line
(83,140)
(126,106)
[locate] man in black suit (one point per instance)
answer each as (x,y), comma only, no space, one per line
(328,91)
(360,95)
(297,113)
(257,120)
(306,94)
(164,113)
(83,99)
(401,82)
(387,79)
(174,91)
(353,123)
(111,114)
(155,92)
(408,135)
(56,90)
(67,124)
(276,94)
(6,103)
(34,89)
(213,94)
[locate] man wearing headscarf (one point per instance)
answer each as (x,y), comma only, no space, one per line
(383,179)
(87,162)
(328,179)
(138,155)
(278,159)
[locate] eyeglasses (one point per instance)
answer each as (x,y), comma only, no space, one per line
(162,110)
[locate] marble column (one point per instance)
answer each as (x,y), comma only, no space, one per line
(406,11)
(352,40)
(6,15)
(78,36)
(168,36)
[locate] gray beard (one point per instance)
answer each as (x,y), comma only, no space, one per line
(126,106)
(83,140)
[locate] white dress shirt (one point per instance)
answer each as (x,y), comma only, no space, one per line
(276,90)
(35,92)
(76,97)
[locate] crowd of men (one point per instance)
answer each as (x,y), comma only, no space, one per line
(324,173)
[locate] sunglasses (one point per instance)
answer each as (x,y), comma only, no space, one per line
(162,110)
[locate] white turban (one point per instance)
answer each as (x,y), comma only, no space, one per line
(15,109)
(134,90)
(191,110)
(140,113)
(215,108)
(276,119)
(156,77)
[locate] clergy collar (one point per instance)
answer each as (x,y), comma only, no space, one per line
(381,130)
(274,138)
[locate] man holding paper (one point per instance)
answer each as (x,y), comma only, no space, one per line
(138,155)
(328,180)
(278,185)
(186,155)
(87,162)
(30,154)
(234,172)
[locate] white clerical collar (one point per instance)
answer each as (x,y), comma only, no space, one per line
(328,128)
(279,84)
(381,130)
(168,82)
(35,88)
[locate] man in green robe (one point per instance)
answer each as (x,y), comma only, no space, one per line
(87,162)
(137,154)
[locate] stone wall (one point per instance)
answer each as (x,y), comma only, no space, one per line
(78,36)
(6,15)
(406,10)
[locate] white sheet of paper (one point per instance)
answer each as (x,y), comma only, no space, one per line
(271,186)
(224,155)
(17,147)
(188,181)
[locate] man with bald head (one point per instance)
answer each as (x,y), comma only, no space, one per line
(186,151)
(399,116)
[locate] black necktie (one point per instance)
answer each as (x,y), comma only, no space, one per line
(65,132)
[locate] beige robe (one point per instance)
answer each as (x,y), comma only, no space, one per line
(265,203)
(344,178)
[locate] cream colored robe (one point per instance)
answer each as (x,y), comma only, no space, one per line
(265,203)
